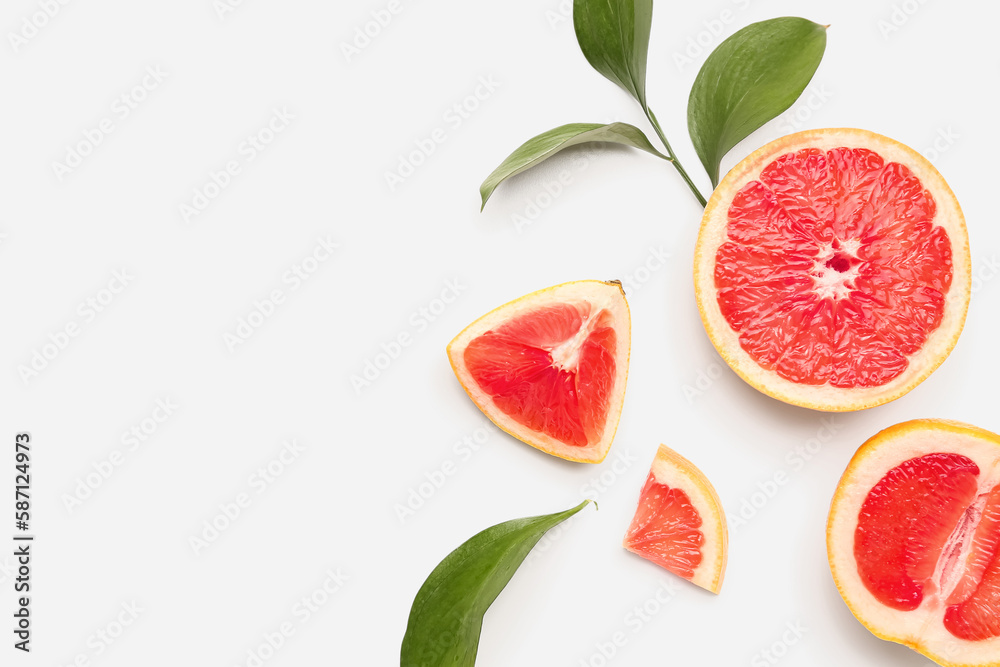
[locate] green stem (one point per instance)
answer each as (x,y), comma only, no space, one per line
(673,158)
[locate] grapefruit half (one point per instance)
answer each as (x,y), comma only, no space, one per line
(832,269)
(680,524)
(550,368)
(914,539)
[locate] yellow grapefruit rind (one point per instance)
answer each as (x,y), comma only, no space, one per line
(922,632)
(825,397)
(599,294)
(675,471)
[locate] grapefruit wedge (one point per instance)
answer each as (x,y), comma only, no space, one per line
(832,269)
(914,539)
(680,524)
(550,367)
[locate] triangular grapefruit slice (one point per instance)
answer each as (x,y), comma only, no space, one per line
(550,368)
(680,524)
(914,539)
(833,270)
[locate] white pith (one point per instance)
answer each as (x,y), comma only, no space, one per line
(829,282)
(923,628)
(566,355)
(955,555)
(827,397)
(598,296)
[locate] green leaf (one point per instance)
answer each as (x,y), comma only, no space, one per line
(545,145)
(749,79)
(614,37)
(447,614)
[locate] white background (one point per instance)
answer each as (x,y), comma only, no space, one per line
(336,506)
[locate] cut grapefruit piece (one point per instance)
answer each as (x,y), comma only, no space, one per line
(680,524)
(550,368)
(914,539)
(832,269)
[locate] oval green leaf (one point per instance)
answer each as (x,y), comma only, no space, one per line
(545,145)
(614,38)
(748,80)
(447,614)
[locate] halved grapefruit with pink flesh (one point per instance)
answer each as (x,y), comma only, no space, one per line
(550,367)
(914,539)
(832,269)
(680,524)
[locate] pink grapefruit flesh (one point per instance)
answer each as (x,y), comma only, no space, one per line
(550,367)
(667,529)
(679,523)
(832,269)
(914,539)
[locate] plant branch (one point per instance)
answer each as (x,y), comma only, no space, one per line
(673,158)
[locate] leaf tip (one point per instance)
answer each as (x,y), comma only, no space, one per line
(587,501)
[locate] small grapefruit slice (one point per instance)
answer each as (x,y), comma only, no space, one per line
(914,539)
(550,367)
(680,524)
(832,269)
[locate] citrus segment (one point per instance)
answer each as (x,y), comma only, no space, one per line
(978,617)
(550,368)
(666,529)
(832,269)
(905,522)
(679,523)
(985,545)
(914,539)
